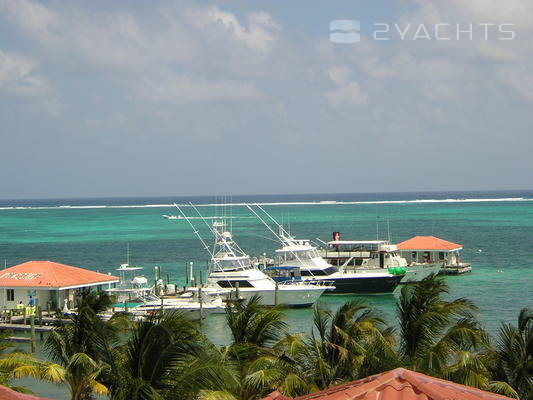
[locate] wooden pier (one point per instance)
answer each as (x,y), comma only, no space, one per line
(460,269)
(25,328)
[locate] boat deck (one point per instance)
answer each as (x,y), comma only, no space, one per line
(455,269)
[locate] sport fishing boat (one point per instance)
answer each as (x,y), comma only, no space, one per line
(233,275)
(303,256)
(374,255)
(188,303)
(130,285)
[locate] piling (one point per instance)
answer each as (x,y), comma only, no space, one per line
(32,332)
(40,315)
(201,304)
(276,295)
(24,316)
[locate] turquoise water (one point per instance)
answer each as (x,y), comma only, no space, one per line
(497,237)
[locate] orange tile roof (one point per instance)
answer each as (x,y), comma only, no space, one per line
(401,384)
(276,396)
(9,394)
(49,274)
(428,243)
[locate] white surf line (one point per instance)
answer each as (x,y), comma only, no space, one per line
(286,203)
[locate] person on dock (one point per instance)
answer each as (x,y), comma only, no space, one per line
(31,302)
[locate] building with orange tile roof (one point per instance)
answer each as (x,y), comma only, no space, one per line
(398,384)
(430,243)
(431,249)
(42,282)
(9,394)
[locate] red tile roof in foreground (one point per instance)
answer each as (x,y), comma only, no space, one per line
(8,394)
(399,384)
(428,243)
(49,274)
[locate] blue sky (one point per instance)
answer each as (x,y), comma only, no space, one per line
(240,97)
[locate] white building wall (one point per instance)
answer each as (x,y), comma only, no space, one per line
(450,257)
(40,297)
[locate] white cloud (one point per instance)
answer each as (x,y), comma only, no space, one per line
(258,35)
(339,75)
(175,89)
(347,94)
(20,78)
(34,18)
(171,60)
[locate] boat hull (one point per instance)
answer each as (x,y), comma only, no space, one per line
(417,273)
(287,296)
(364,285)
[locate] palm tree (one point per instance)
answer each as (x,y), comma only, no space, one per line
(349,344)
(252,324)
(74,353)
(513,370)
(440,337)
(6,370)
(257,366)
(166,357)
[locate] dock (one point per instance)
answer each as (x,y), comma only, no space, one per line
(25,328)
(460,269)
(25,320)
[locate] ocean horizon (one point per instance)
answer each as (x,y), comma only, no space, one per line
(274,199)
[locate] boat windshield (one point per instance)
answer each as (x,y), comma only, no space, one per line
(232,263)
(299,254)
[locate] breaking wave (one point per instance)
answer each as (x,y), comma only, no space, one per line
(284,203)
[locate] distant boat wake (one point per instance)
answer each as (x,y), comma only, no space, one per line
(179,217)
(285,203)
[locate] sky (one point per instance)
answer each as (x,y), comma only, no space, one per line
(137,98)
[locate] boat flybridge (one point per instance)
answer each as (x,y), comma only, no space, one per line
(374,255)
(233,275)
(130,285)
(303,256)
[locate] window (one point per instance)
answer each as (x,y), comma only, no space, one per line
(441,255)
(232,284)
(10,294)
(319,272)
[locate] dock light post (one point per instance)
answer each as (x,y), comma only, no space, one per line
(191,272)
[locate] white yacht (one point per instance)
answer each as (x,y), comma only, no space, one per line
(313,267)
(374,255)
(188,303)
(301,255)
(232,274)
(130,286)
